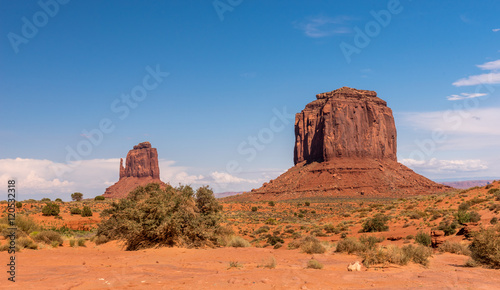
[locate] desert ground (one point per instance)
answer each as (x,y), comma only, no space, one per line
(273,257)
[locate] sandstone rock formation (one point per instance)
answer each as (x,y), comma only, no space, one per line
(345,123)
(346,146)
(141,168)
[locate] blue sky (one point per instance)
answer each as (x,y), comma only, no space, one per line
(231,66)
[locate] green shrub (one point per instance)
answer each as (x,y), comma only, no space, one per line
(277,246)
(263,229)
(349,246)
(374,256)
(454,248)
(448,227)
(238,242)
(464,206)
(59,200)
(270,221)
(86,211)
(464,217)
(329,229)
(375,224)
(311,245)
(19,204)
(307,203)
(45,199)
(101,240)
(81,242)
(49,237)
(418,254)
(50,209)
(494,220)
(271,203)
(254,208)
(72,243)
(423,239)
(99,197)
(75,210)
(314,264)
(77,196)
(151,216)
(26,243)
(485,247)
(273,240)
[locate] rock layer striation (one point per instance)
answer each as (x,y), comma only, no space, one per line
(345,145)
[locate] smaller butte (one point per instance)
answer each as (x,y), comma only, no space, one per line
(141,168)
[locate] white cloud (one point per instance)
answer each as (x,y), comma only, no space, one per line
(461,122)
(223,177)
(488,78)
(496,29)
(446,166)
(321,26)
(492,65)
(463,96)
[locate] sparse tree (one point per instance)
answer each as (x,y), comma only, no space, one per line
(77,196)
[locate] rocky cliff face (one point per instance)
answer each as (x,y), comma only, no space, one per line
(142,161)
(345,123)
(141,168)
(345,145)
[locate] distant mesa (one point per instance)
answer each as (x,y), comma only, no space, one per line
(346,145)
(141,168)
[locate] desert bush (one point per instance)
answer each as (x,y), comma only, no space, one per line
(49,237)
(448,227)
(273,240)
(349,246)
(254,208)
(77,196)
(418,254)
(277,246)
(26,243)
(396,255)
(329,228)
(238,242)
(493,191)
(99,197)
(454,248)
(314,264)
(151,216)
(485,247)
(494,220)
(376,224)
(271,203)
(270,221)
(307,203)
(75,210)
(269,263)
(50,209)
(58,200)
(423,239)
(24,224)
(86,211)
(45,199)
(101,240)
(464,206)
(263,229)
(311,245)
(370,241)
(19,204)
(81,242)
(374,256)
(72,242)
(464,217)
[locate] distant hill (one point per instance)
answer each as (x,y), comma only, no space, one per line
(226,194)
(467,183)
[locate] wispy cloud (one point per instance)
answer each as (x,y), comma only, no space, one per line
(464,96)
(496,29)
(492,65)
(446,166)
(322,26)
(488,78)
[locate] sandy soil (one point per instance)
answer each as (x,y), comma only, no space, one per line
(108,267)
